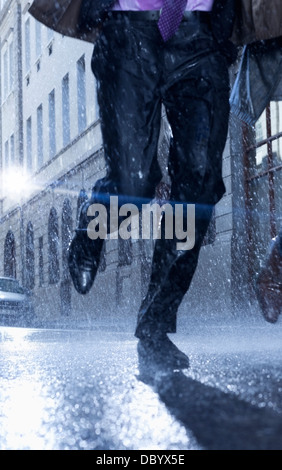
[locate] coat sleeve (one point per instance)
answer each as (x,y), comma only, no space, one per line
(258,81)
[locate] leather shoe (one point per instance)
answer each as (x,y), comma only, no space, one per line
(269,284)
(84,255)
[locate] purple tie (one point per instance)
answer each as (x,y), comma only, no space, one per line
(171,16)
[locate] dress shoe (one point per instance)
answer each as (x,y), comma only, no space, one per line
(269,283)
(84,255)
(159,353)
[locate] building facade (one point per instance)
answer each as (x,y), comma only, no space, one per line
(51,155)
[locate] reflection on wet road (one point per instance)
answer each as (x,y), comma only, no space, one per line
(82,390)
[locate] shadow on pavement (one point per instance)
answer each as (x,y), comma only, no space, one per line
(218,420)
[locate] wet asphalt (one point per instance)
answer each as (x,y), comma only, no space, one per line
(82,390)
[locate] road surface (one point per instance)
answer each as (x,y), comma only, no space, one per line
(82,390)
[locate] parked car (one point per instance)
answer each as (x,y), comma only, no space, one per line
(16,302)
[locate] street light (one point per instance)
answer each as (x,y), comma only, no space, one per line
(16,184)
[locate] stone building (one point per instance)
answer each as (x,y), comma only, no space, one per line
(51,154)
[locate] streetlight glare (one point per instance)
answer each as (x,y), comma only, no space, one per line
(16,183)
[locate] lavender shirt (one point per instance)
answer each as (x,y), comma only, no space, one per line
(203,5)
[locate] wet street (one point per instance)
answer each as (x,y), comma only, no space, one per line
(79,389)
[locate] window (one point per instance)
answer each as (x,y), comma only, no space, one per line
(7,154)
(11,69)
(40,156)
(29,144)
(96,104)
(65,288)
(8,70)
(52,125)
(53,247)
(50,35)
(67,228)
(5,75)
(81,94)
(66,110)
(38,38)
(12,149)
(30,266)
(41,262)
(10,268)
(263,182)
(27,46)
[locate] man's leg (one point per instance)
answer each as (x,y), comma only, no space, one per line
(125,66)
(198,112)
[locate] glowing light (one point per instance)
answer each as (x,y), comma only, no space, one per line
(16,183)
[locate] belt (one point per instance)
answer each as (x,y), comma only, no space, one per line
(154,15)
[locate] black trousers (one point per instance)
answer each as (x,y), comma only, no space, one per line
(136,74)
